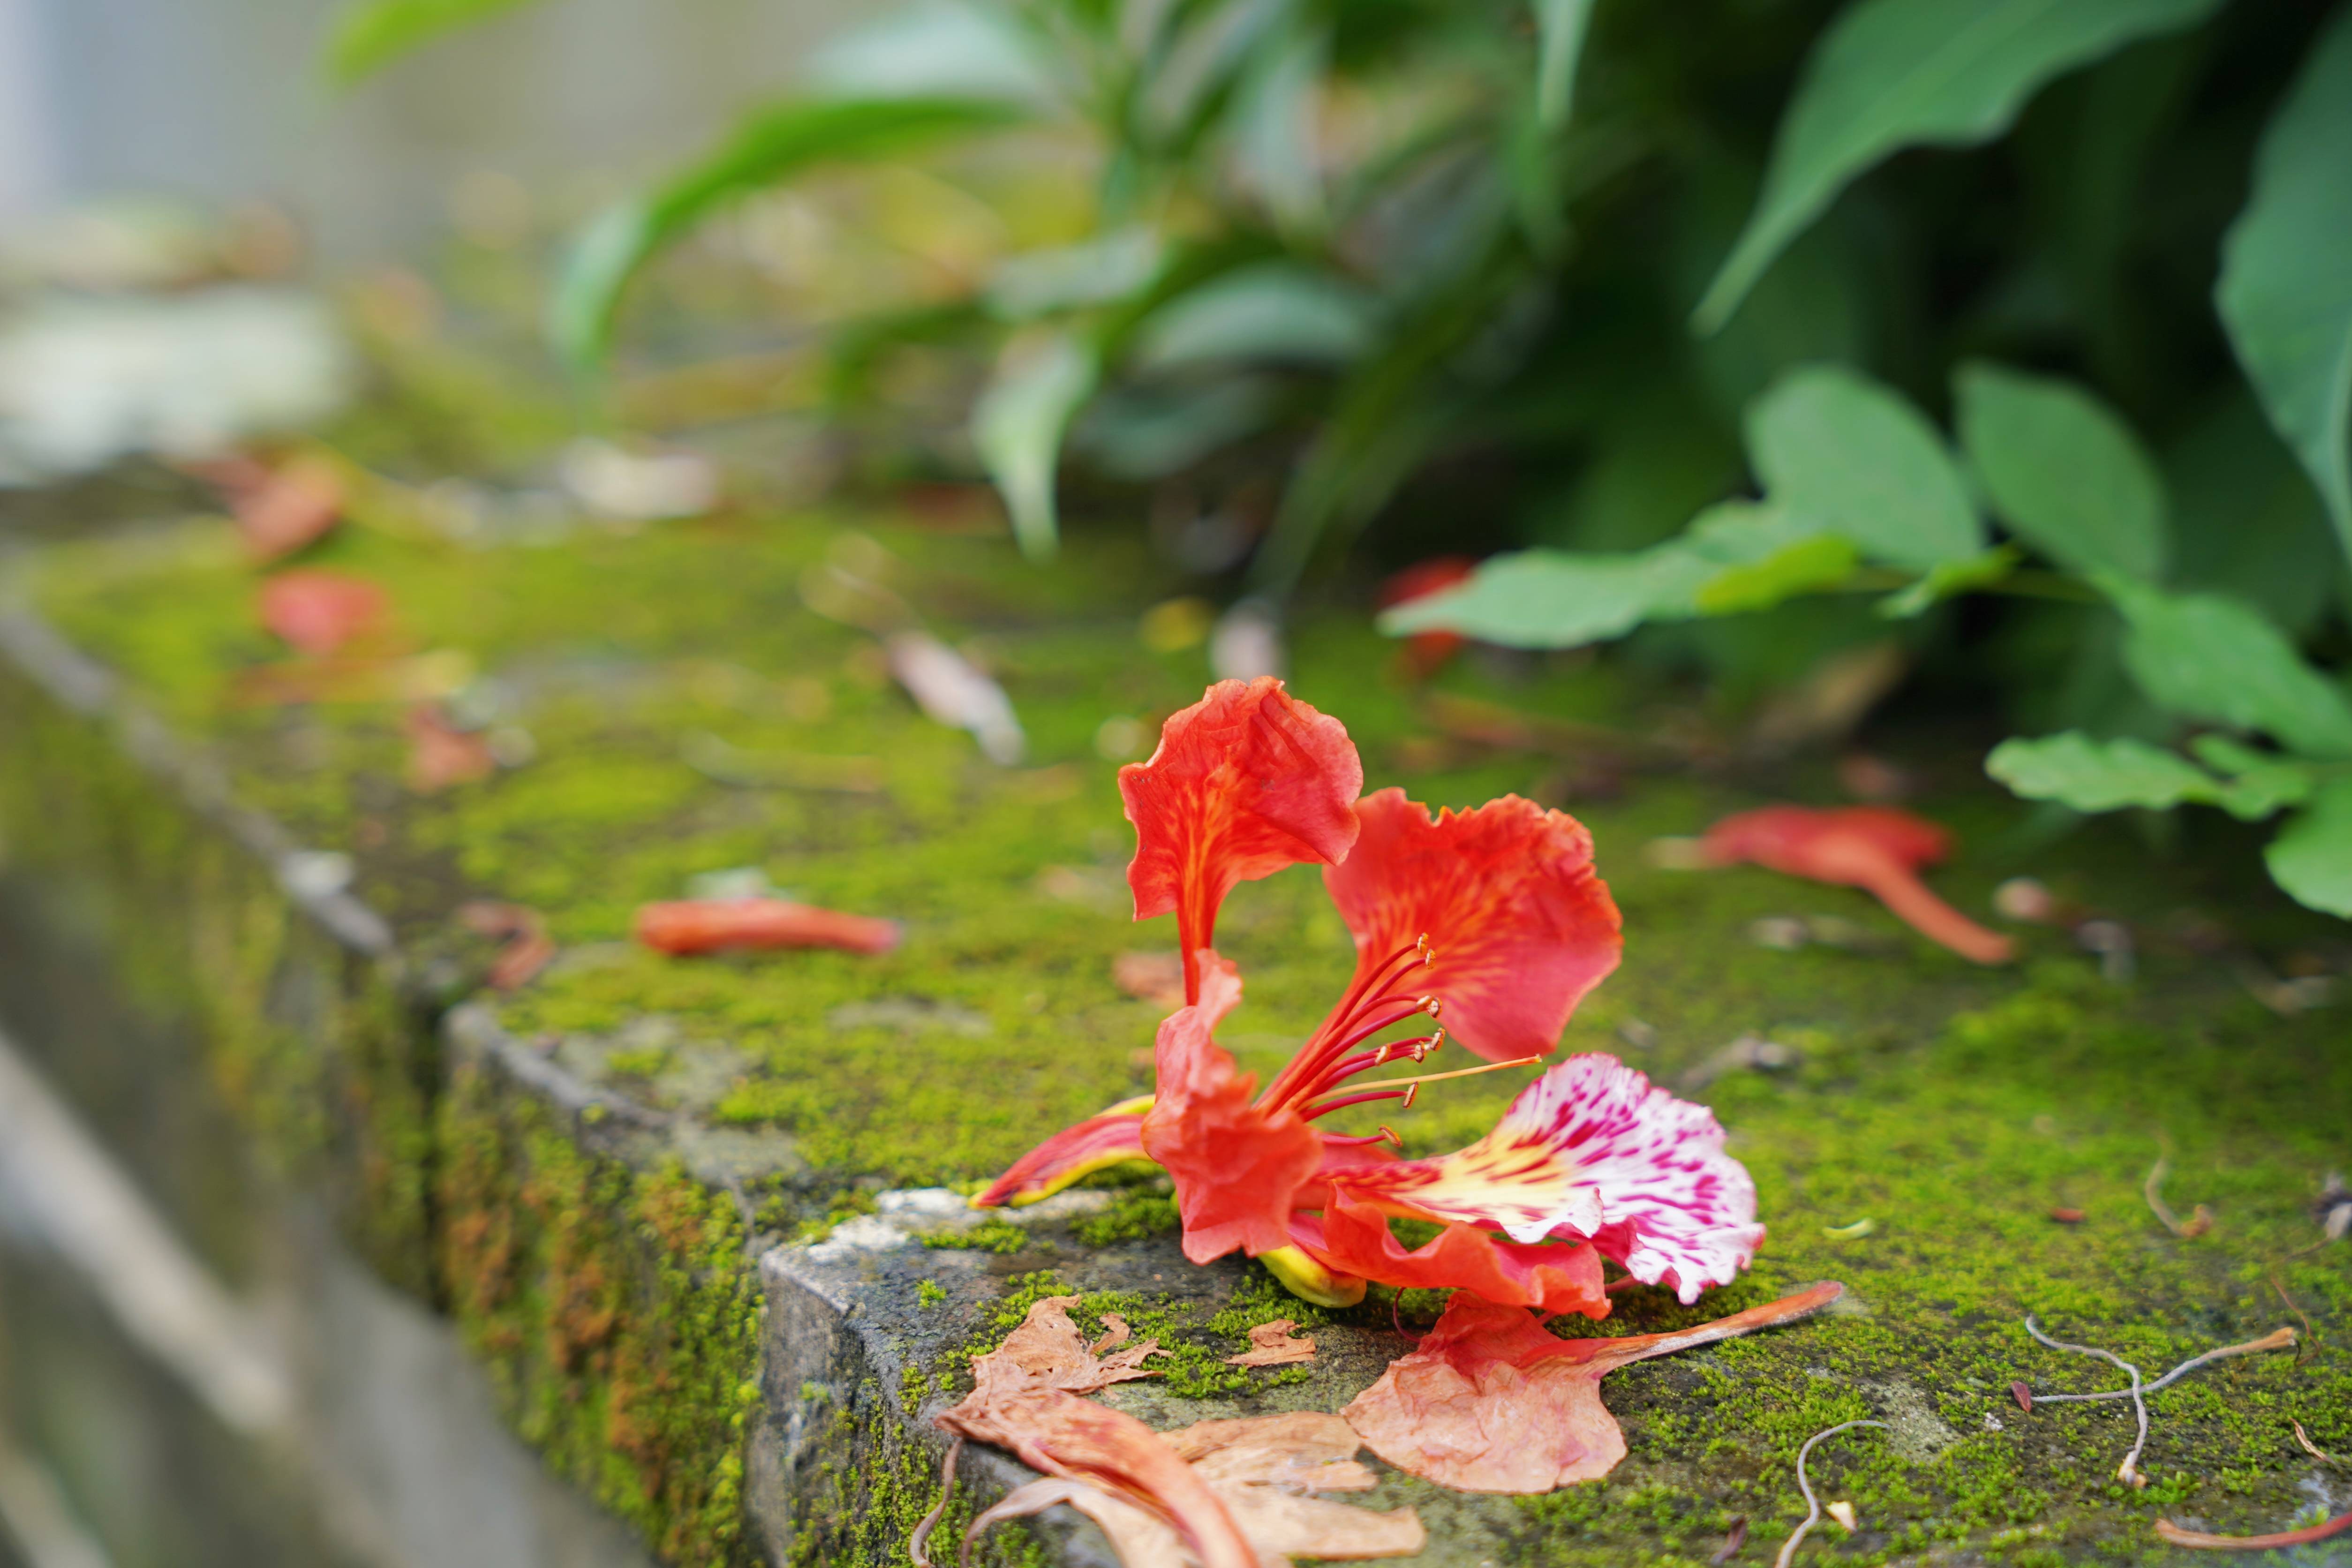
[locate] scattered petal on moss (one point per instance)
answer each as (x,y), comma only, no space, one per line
(689,926)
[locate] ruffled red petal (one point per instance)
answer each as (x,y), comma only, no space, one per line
(1245,781)
(1235,1166)
(1353,1238)
(1115,1137)
(1520,923)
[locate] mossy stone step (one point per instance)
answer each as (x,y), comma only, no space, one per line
(680,1208)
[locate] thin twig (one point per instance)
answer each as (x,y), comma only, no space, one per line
(2200,1220)
(919,1540)
(2314,1450)
(1812,1503)
(2129,1471)
(2305,1537)
(2276,1339)
(2309,1334)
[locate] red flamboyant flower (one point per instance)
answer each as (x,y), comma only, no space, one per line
(1493,919)
(1875,848)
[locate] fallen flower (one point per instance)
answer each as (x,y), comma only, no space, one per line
(1273,1344)
(1492,918)
(1843,1513)
(1261,1468)
(692,926)
(2067,1216)
(441,755)
(1492,1402)
(1024,1398)
(2023,1394)
(1805,1485)
(2285,1538)
(315,611)
(1875,848)
(529,949)
(2200,1220)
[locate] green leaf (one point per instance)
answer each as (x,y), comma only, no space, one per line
(937,49)
(1890,74)
(2312,858)
(2260,783)
(371,33)
(2207,657)
(2285,292)
(1098,271)
(1551,598)
(2099,775)
(1560,26)
(1853,458)
(1807,566)
(772,147)
(1950,580)
(1018,424)
(1273,312)
(2064,470)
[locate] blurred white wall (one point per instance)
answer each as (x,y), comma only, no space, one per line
(219,99)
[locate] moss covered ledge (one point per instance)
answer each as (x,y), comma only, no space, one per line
(677,1208)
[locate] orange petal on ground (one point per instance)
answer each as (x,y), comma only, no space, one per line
(441,755)
(1273,1344)
(1875,848)
(289,507)
(529,949)
(1262,1469)
(1491,1402)
(689,926)
(317,611)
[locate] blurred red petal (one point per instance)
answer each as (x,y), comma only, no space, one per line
(289,508)
(318,611)
(441,755)
(1244,781)
(1875,847)
(719,925)
(1520,924)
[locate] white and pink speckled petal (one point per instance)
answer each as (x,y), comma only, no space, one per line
(1592,1149)
(1677,1210)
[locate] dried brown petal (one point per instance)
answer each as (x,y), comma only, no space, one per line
(1271,1344)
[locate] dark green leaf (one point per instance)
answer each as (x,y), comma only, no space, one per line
(1890,74)
(773,147)
(2064,470)
(1017,427)
(1806,566)
(1851,457)
(2245,519)
(371,33)
(2207,657)
(2286,292)
(2312,858)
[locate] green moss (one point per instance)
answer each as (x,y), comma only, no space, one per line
(616,1311)
(928,1294)
(992,1235)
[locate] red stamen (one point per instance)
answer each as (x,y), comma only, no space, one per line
(1328,1106)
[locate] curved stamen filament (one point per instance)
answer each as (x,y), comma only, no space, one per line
(1382,1136)
(1460,1072)
(1311,1067)
(1326,1107)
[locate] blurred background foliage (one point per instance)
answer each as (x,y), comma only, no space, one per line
(1996,349)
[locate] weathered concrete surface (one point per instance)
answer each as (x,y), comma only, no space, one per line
(677,1211)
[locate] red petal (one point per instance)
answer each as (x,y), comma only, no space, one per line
(318,611)
(441,755)
(1490,1402)
(1353,1238)
(1112,1137)
(1873,846)
(718,925)
(1245,781)
(1236,1167)
(1521,925)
